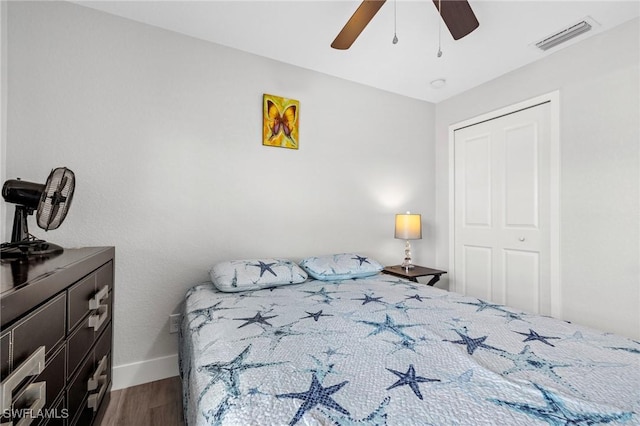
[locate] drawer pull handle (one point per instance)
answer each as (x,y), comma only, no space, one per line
(96,320)
(94,399)
(31,367)
(38,393)
(92,384)
(95,301)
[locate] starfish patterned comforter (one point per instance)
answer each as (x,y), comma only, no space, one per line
(386,351)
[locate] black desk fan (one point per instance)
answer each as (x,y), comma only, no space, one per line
(50,201)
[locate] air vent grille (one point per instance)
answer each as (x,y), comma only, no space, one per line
(564,35)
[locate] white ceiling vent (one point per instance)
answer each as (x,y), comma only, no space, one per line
(565,34)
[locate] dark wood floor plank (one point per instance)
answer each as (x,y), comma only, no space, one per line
(109,418)
(150,404)
(168,414)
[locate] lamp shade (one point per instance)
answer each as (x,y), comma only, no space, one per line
(408,226)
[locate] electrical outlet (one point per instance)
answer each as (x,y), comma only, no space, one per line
(174,323)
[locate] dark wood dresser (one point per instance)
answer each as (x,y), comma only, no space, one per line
(56,337)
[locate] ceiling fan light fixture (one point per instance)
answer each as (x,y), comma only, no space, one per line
(565,34)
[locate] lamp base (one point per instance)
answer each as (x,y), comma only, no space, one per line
(406,263)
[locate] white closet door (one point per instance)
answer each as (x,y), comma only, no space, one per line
(502,212)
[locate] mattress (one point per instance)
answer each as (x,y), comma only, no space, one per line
(383,350)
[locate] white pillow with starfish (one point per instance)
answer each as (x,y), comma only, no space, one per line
(252,274)
(340,266)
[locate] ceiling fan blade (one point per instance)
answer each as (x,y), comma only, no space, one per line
(354,26)
(458,16)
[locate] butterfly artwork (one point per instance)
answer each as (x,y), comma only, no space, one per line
(280,121)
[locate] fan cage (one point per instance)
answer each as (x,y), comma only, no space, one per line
(56,198)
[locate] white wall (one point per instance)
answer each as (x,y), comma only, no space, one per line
(4,235)
(599,84)
(163,132)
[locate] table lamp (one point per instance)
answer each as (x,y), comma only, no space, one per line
(408,227)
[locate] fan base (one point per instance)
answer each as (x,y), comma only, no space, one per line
(29,249)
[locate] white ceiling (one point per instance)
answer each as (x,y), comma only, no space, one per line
(300,32)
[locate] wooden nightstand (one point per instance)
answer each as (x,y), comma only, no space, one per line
(412,274)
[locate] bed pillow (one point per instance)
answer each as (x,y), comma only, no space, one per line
(341,266)
(254,274)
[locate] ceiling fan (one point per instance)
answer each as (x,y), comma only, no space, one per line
(457,14)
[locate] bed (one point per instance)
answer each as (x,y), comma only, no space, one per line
(377,350)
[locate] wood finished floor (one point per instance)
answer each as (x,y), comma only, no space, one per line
(157,403)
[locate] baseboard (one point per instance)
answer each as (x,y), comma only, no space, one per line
(138,373)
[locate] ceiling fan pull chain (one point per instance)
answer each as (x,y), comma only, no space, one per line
(440,29)
(395,23)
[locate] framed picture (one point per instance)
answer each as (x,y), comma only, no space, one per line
(280,121)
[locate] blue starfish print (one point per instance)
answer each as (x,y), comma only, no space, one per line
(326,295)
(321,370)
(377,418)
(511,316)
(198,288)
(630,350)
(403,282)
(276,334)
(409,378)
(415,296)
(257,318)
(255,391)
(214,416)
(400,307)
(587,363)
(234,280)
(239,297)
(527,360)
(532,335)
(389,325)
(229,372)
(264,267)
(626,348)
(316,315)
(206,313)
(598,341)
(370,299)
(482,305)
(462,380)
(408,344)
(472,343)
(465,384)
(556,413)
(361,260)
(314,396)
(456,320)
(331,352)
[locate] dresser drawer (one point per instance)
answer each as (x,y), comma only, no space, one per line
(54,375)
(52,378)
(104,276)
(85,291)
(78,299)
(83,396)
(44,327)
(5,362)
(59,414)
(90,329)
